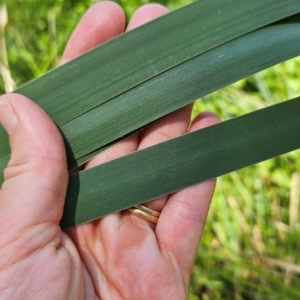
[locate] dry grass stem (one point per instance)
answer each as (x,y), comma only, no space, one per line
(9,83)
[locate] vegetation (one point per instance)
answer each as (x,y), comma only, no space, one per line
(250,246)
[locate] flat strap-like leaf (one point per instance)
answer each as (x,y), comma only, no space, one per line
(180,86)
(137,56)
(149,50)
(164,65)
(92,132)
(182,162)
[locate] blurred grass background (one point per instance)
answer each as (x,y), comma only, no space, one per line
(250,247)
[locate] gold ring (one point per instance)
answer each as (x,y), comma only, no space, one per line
(145,213)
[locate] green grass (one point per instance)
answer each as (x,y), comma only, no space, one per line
(250,245)
(249,248)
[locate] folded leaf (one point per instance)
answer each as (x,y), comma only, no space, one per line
(135,57)
(94,131)
(179,86)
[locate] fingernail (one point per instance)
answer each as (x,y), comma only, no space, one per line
(8,118)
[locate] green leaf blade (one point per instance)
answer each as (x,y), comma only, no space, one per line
(181,162)
(137,56)
(179,86)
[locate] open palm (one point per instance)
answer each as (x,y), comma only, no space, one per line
(120,256)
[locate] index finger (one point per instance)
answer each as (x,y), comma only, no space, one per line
(101,22)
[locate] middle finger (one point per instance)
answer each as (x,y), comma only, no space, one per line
(171,126)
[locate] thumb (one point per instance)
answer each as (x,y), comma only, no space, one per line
(36,177)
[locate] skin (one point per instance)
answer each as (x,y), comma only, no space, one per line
(120,256)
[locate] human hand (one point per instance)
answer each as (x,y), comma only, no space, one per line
(120,256)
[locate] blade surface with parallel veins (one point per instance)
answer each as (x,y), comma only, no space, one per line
(181,162)
(137,56)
